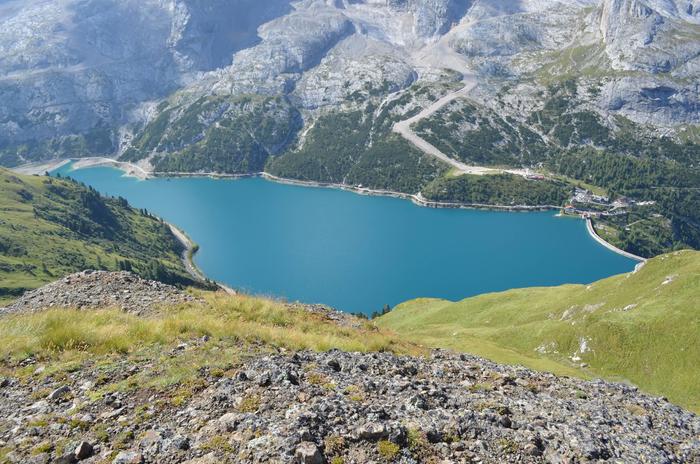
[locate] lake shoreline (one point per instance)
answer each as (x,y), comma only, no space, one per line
(187,257)
(188,251)
(417,199)
(133,170)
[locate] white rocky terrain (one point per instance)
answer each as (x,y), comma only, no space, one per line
(71,66)
(76,76)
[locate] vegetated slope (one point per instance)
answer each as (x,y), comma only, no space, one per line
(564,139)
(217,134)
(501,189)
(53,227)
(642,326)
(357,148)
(235,379)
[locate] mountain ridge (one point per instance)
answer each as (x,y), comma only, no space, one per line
(52,227)
(295,39)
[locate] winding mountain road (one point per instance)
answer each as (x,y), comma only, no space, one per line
(440,54)
(404,129)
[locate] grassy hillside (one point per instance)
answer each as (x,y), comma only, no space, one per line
(233,327)
(642,327)
(53,227)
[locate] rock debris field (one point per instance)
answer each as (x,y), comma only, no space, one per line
(100,289)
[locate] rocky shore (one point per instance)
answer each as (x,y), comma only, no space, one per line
(276,405)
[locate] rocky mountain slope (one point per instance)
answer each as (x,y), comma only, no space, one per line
(238,379)
(74,74)
(99,289)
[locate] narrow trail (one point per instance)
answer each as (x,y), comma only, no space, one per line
(186,256)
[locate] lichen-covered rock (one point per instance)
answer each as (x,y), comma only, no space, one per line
(308,453)
(374,407)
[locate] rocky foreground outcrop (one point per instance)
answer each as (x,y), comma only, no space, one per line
(100,289)
(275,405)
(340,407)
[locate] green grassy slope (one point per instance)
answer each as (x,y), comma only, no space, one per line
(53,227)
(643,327)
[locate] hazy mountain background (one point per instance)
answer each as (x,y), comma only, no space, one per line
(597,93)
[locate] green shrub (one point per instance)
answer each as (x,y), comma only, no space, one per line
(388,450)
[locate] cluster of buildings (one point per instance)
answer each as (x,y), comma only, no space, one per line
(588,204)
(586,196)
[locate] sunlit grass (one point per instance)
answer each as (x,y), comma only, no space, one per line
(58,332)
(640,327)
(219,334)
(40,248)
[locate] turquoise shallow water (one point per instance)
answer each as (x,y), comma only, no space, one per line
(358,253)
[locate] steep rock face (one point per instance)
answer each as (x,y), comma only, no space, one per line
(289,46)
(654,36)
(69,66)
(316,31)
(208,32)
(434,17)
(652,100)
(660,38)
(425,18)
(509,29)
(643,55)
(357,67)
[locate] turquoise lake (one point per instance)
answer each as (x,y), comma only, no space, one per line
(358,253)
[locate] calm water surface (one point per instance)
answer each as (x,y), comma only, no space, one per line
(358,253)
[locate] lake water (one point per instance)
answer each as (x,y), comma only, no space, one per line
(358,253)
